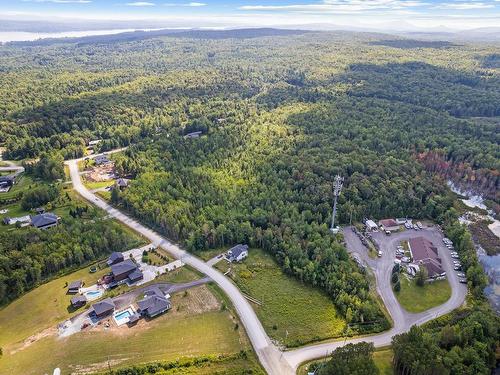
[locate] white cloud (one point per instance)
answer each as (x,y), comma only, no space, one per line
(464,6)
(59,1)
(191,4)
(141,4)
(328,6)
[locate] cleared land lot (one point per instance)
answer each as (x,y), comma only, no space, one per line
(196,326)
(291,312)
(415,299)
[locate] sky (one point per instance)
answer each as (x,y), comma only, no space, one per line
(385,14)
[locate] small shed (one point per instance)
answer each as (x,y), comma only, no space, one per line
(78,301)
(75,286)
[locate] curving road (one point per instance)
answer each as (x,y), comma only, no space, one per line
(272,359)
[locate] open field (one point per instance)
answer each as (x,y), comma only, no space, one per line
(183,274)
(99,184)
(291,312)
(195,326)
(41,308)
(415,299)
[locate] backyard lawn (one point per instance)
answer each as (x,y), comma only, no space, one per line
(291,312)
(190,329)
(41,308)
(416,299)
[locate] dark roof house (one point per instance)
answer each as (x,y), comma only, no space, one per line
(8,180)
(122,183)
(121,270)
(425,253)
(103,308)
(78,301)
(75,286)
(154,303)
(45,220)
(114,258)
(135,276)
(238,253)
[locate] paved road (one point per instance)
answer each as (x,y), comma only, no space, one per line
(402,319)
(269,356)
(272,359)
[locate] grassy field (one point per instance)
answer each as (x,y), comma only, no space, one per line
(190,329)
(41,308)
(291,312)
(383,360)
(416,299)
(184,274)
(98,185)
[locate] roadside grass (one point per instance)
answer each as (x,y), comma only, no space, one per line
(383,361)
(209,254)
(41,308)
(415,299)
(382,358)
(190,329)
(291,312)
(183,274)
(98,185)
(106,195)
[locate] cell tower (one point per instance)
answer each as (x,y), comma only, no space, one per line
(337,188)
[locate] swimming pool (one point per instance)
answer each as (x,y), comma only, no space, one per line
(93,294)
(121,317)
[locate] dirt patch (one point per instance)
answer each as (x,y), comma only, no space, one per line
(52,331)
(95,367)
(101,173)
(194,301)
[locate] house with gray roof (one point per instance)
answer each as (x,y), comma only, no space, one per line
(103,308)
(237,253)
(121,271)
(114,258)
(78,301)
(45,220)
(75,286)
(424,253)
(154,303)
(101,159)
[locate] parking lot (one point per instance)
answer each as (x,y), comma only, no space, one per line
(382,266)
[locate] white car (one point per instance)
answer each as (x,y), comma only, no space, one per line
(379,254)
(455,256)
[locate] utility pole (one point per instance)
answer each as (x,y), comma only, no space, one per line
(337,188)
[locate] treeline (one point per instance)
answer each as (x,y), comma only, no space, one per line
(30,256)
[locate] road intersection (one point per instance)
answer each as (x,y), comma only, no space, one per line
(274,361)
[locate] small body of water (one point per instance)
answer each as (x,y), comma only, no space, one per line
(490,263)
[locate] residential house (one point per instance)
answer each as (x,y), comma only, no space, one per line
(154,303)
(114,258)
(78,301)
(237,253)
(121,271)
(7,181)
(103,308)
(424,253)
(45,220)
(75,286)
(196,134)
(389,225)
(122,183)
(101,159)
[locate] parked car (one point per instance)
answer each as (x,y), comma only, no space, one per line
(405,259)
(416,227)
(460,274)
(457,268)
(388,232)
(419,225)
(379,254)
(463,281)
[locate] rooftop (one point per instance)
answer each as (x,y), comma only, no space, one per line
(103,306)
(42,220)
(237,250)
(127,266)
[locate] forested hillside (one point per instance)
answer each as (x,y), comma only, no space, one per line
(281,115)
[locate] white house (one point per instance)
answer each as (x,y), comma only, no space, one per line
(237,253)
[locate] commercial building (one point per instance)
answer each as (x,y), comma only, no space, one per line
(424,253)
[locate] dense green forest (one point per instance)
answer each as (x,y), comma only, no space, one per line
(281,115)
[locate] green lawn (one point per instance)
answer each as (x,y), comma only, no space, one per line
(416,299)
(291,312)
(383,361)
(98,185)
(41,308)
(165,339)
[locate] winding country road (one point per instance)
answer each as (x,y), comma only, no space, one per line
(272,359)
